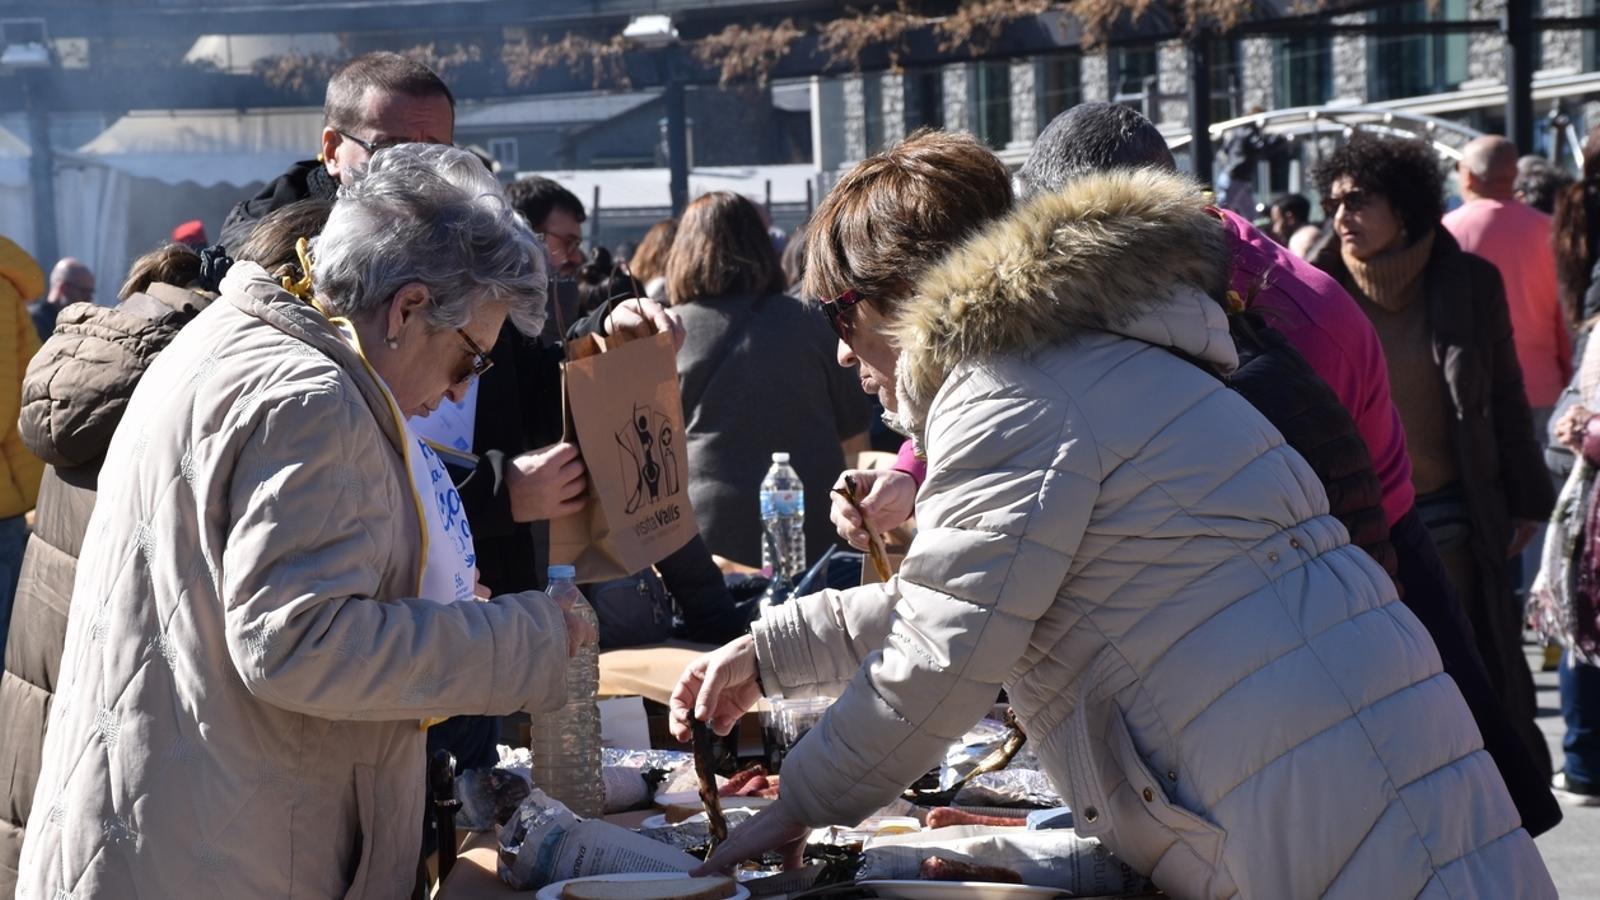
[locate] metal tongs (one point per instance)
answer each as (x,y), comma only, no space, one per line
(875,549)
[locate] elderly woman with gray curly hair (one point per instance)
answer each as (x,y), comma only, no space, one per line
(248,662)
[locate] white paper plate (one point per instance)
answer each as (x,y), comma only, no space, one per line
(958,890)
(553,891)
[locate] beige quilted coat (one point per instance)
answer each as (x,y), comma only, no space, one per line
(244,675)
(1224,690)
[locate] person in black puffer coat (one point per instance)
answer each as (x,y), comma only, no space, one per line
(1279,383)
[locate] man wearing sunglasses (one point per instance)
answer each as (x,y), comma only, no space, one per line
(374,101)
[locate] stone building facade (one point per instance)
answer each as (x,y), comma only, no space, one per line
(1252,72)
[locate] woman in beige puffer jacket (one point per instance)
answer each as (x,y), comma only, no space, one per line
(248,661)
(1226,692)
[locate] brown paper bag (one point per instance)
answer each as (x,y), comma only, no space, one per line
(625,413)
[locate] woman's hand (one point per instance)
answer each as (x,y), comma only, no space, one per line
(579,631)
(773,828)
(891,496)
(716,688)
(642,317)
(1571,426)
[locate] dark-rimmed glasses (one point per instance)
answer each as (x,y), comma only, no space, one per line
(371,146)
(838,312)
(481,362)
(1353,202)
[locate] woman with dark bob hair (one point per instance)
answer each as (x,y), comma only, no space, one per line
(1441,315)
(758,376)
(1225,691)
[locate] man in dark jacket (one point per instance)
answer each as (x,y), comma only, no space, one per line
(373,101)
(1105,136)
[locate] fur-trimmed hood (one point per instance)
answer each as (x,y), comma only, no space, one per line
(1133,252)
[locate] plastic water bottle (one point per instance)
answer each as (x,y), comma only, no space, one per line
(783,526)
(566,743)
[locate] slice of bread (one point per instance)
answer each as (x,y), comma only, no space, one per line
(711,887)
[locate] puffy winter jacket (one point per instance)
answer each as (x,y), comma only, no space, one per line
(246,661)
(76,390)
(1225,691)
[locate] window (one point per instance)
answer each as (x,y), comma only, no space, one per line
(1591,39)
(1302,68)
(924,99)
(1226,79)
(993,91)
(1060,85)
(1413,65)
(872,111)
(1130,68)
(504,151)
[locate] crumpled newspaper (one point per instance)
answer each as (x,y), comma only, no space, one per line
(545,842)
(693,833)
(1057,859)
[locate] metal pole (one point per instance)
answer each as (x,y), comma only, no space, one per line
(594,220)
(1200,105)
(677,135)
(41,174)
(1521,58)
(811,198)
(769,199)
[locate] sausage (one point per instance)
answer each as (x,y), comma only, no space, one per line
(945,815)
(753,787)
(741,778)
(937,868)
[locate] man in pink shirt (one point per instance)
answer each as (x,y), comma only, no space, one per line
(1493,224)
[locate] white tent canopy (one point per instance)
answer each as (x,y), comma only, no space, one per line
(16,194)
(652,188)
(239,53)
(14,156)
(208,148)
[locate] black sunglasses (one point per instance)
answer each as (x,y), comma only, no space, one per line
(838,312)
(1353,201)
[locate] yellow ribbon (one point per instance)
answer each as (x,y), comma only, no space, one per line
(302,287)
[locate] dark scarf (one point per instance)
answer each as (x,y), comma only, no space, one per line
(320,185)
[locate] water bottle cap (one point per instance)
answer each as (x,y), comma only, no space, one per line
(567,572)
(780,457)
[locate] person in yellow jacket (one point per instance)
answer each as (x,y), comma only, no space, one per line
(21,280)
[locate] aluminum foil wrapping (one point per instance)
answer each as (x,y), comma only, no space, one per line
(666,760)
(1010,787)
(980,740)
(489,797)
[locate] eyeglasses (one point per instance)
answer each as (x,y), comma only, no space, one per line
(569,242)
(1352,201)
(481,362)
(371,146)
(838,312)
